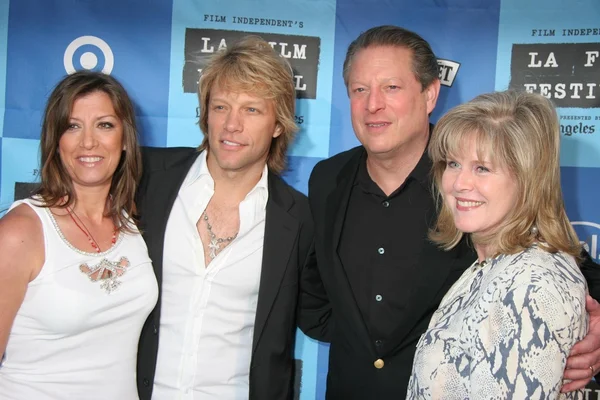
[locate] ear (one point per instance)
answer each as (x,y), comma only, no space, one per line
(278,130)
(431,93)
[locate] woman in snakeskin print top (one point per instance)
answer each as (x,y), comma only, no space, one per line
(506,327)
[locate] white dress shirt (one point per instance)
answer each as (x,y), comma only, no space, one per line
(207,314)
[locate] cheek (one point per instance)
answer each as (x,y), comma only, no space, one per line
(264,136)
(447,183)
(211,123)
(269,129)
(64,145)
(116,144)
(355,107)
(413,108)
(402,103)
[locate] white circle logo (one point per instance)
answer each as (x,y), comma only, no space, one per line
(88,60)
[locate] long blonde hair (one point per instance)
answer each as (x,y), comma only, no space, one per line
(520,131)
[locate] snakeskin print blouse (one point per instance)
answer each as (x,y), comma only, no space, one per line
(504,331)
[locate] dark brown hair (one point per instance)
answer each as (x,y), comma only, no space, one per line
(424,66)
(56,186)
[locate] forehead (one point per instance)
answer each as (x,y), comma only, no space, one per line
(383,61)
(89,102)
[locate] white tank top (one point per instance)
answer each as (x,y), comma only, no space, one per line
(73,337)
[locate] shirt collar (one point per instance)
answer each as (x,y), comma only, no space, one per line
(199,172)
(422,171)
(364,180)
(262,188)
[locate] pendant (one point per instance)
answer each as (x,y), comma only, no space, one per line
(106,272)
(214,247)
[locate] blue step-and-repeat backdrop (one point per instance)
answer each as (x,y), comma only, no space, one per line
(157,47)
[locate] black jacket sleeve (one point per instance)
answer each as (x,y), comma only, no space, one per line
(314,309)
(591,272)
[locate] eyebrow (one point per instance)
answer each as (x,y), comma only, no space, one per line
(99,117)
(380,81)
(453,157)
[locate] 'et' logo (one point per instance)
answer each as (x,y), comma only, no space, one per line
(447,71)
(85,51)
(588,236)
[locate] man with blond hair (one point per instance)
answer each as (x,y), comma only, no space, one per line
(228,239)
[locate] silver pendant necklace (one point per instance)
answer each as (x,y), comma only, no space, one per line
(215,242)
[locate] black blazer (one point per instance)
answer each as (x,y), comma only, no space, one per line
(287,244)
(330,313)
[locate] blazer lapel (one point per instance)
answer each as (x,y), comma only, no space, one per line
(159,197)
(337,203)
(281,231)
(336,206)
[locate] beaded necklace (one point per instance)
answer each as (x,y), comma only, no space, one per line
(87,233)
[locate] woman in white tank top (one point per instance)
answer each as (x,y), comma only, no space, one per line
(76,281)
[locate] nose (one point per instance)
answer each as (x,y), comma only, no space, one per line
(88,138)
(463,180)
(375,101)
(233,122)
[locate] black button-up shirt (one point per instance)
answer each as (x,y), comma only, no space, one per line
(381,242)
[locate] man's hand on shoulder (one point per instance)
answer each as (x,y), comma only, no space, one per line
(584,361)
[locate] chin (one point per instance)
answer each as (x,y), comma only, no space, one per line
(378,148)
(465,228)
(231,167)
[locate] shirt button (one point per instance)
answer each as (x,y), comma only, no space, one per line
(155,330)
(381,250)
(379,363)
(146,382)
(378,343)
(379,297)
(386,204)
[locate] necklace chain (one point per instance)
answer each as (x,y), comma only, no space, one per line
(215,242)
(87,232)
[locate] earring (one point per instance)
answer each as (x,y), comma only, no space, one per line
(534,230)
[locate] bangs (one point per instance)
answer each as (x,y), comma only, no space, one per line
(237,77)
(454,141)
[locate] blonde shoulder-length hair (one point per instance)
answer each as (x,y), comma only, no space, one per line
(252,66)
(519,131)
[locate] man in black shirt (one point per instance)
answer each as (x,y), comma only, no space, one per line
(379,278)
